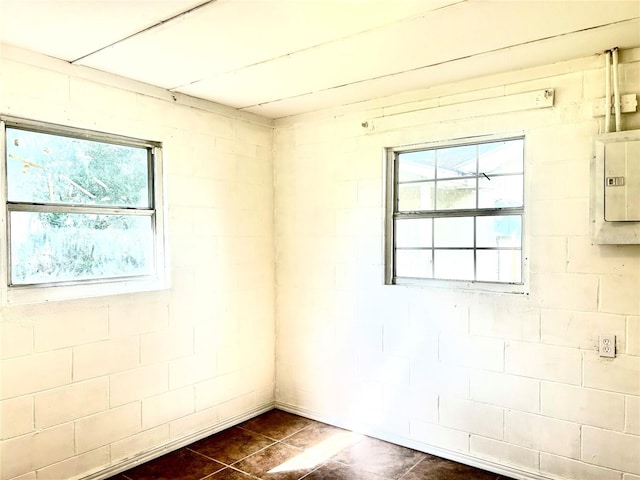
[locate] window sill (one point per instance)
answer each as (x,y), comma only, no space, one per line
(466,286)
(44,294)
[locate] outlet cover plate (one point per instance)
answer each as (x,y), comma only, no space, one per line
(607,346)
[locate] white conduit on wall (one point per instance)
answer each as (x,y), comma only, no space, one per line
(616,90)
(607,90)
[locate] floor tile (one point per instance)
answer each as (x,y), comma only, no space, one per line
(435,468)
(182,464)
(320,433)
(231,445)
(276,424)
(230,474)
(381,458)
(278,462)
(338,471)
(281,446)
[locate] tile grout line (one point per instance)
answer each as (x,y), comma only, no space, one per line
(318,467)
(414,466)
(208,458)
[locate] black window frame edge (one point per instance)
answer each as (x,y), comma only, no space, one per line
(390,184)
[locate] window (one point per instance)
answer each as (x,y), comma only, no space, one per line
(455,213)
(81,208)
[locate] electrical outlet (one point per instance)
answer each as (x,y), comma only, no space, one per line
(607,346)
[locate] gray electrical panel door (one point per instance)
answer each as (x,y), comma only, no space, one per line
(622,181)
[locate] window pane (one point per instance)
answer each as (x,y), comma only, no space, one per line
(499,266)
(453,264)
(413,232)
(499,231)
(501,157)
(415,196)
(53,247)
(453,194)
(413,263)
(453,232)
(456,161)
(416,165)
(497,192)
(46,168)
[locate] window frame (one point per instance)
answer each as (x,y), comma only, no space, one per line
(157,279)
(392,213)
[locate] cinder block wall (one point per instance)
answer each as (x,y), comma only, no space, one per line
(89,383)
(509,379)
(513,380)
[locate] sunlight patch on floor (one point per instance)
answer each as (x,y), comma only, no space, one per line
(318,454)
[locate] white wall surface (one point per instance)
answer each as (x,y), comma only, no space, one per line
(513,380)
(89,383)
(509,379)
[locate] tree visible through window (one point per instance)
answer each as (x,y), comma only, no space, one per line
(456,212)
(81,206)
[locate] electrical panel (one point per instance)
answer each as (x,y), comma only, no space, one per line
(622,181)
(615,188)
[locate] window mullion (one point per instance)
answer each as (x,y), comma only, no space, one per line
(502,211)
(475,228)
(84,209)
(433,248)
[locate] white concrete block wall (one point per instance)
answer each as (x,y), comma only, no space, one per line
(86,384)
(513,380)
(510,379)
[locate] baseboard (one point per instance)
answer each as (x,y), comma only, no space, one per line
(176,444)
(506,470)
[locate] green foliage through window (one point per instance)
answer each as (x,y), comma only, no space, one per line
(79,208)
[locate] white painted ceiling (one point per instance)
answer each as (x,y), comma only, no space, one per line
(279,58)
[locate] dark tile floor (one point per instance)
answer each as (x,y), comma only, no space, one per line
(280,446)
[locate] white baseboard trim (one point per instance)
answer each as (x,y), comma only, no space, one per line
(176,444)
(506,470)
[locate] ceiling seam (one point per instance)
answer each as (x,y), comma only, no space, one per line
(322,44)
(146,29)
(466,57)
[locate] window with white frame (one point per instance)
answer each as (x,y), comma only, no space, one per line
(81,207)
(455,212)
